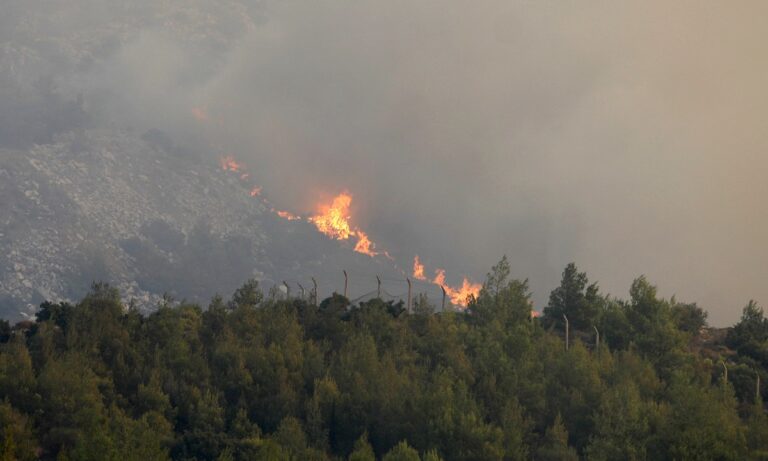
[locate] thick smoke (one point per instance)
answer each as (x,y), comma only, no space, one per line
(629,138)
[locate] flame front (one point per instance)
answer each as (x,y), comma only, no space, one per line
(333,220)
(364,244)
(459,295)
(255,191)
(228,163)
(286,215)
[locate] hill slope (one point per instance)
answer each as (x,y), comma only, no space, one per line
(133,210)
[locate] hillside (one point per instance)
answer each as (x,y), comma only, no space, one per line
(148,217)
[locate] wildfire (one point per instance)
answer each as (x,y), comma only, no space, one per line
(287,215)
(333,221)
(418,269)
(255,191)
(458,295)
(228,163)
(364,244)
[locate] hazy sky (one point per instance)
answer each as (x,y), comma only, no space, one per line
(629,137)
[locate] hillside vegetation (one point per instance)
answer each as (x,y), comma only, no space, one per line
(263,378)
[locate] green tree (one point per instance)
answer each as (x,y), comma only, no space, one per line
(502,299)
(750,335)
(248,295)
(362,450)
(621,426)
(689,317)
(17,442)
(574,298)
(702,423)
(654,331)
(555,447)
(402,452)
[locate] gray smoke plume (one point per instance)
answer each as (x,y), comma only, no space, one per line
(628,137)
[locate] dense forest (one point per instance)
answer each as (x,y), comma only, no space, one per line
(262,377)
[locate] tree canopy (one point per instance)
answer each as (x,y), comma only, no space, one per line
(261,377)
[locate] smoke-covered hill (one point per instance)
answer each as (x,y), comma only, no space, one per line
(133,210)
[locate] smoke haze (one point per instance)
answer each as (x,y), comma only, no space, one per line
(628,137)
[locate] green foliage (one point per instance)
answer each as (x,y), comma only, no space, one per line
(750,336)
(621,426)
(574,298)
(274,379)
(362,450)
(402,452)
(702,423)
(689,317)
(248,295)
(555,444)
(17,441)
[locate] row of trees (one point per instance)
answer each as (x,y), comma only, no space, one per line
(265,378)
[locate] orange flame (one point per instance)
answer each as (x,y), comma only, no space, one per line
(255,191)
(459,295)
(333,221)
(287,215)
(418,269)
(364,244)
(228,163)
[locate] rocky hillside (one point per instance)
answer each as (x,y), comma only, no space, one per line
(133,210)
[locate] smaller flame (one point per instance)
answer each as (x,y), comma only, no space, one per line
(364,244)
(255,191)
(439,277)
(228,163)
(459,295)
(418,269)
(287,215)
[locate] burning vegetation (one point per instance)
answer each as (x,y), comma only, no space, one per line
(228,163)
(459,295)
(286,215)
(334,220)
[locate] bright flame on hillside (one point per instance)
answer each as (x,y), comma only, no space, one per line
(333,221)
(228,163)
(364,244)
(458,295)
